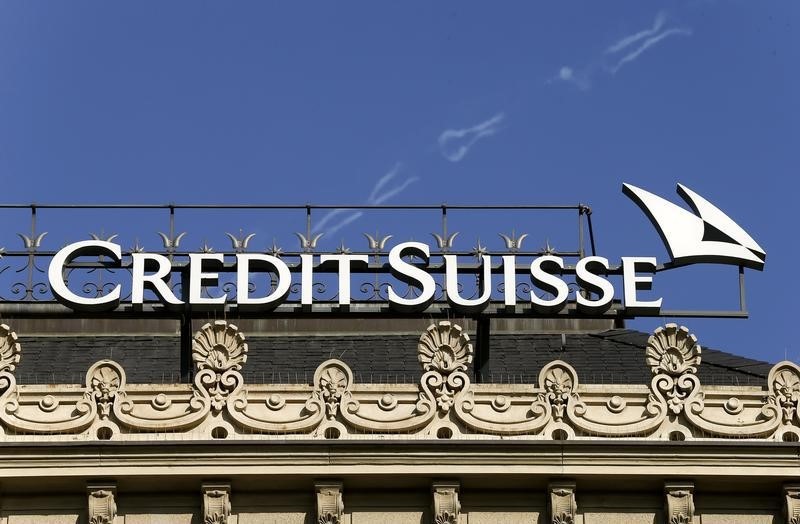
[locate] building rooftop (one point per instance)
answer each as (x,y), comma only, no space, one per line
(615,356)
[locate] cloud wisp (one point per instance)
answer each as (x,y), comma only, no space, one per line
(658,23)
(381,192)
(648,38)
(454,144)
(620,53)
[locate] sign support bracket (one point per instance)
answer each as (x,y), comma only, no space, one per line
(482,349)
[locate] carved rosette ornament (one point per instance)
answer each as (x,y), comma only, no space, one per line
(218,351)
(445,518)
(102,503)
(673,356)
(446,505)
(216,503)
(561,502)
(329,518)
(679,503)
(330,504)
(445,351)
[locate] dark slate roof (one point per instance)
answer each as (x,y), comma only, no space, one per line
(615,356)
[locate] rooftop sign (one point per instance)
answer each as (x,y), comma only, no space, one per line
(416,276)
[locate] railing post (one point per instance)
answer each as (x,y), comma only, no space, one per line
(186,328)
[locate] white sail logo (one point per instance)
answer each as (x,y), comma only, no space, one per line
(707,235)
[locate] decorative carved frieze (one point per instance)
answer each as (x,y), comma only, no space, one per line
(679,503)
(556,406)
(561,502)
(330,503)
(446,503)
(216,502)
(102,504)
(791,507)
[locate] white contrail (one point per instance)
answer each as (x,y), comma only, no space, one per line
(633,55)
(327,218)
(382,181)
(473,134)
(376,197)
(633,45)
(392,192)
(630,39)
(355,215)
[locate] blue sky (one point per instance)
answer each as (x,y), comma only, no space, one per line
(460,102)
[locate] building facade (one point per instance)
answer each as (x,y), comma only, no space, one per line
(578,423)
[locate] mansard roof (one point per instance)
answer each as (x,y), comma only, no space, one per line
(615,356)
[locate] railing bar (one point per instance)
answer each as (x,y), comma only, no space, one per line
(287,206)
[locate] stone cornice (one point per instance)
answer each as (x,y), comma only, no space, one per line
(577,458)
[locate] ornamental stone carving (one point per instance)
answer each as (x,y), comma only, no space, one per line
(441,405)
(445,351)
(10,354)
(558,380)
(791,506)
(102,504)
(444,348)
(679,503)
(330,504)
(10,351)
(332,379)
(784,381)
(561,502)
(673,356)
(219,347)
(104,379)
(219,351)
(446,504)
(216,503)
(672,350)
